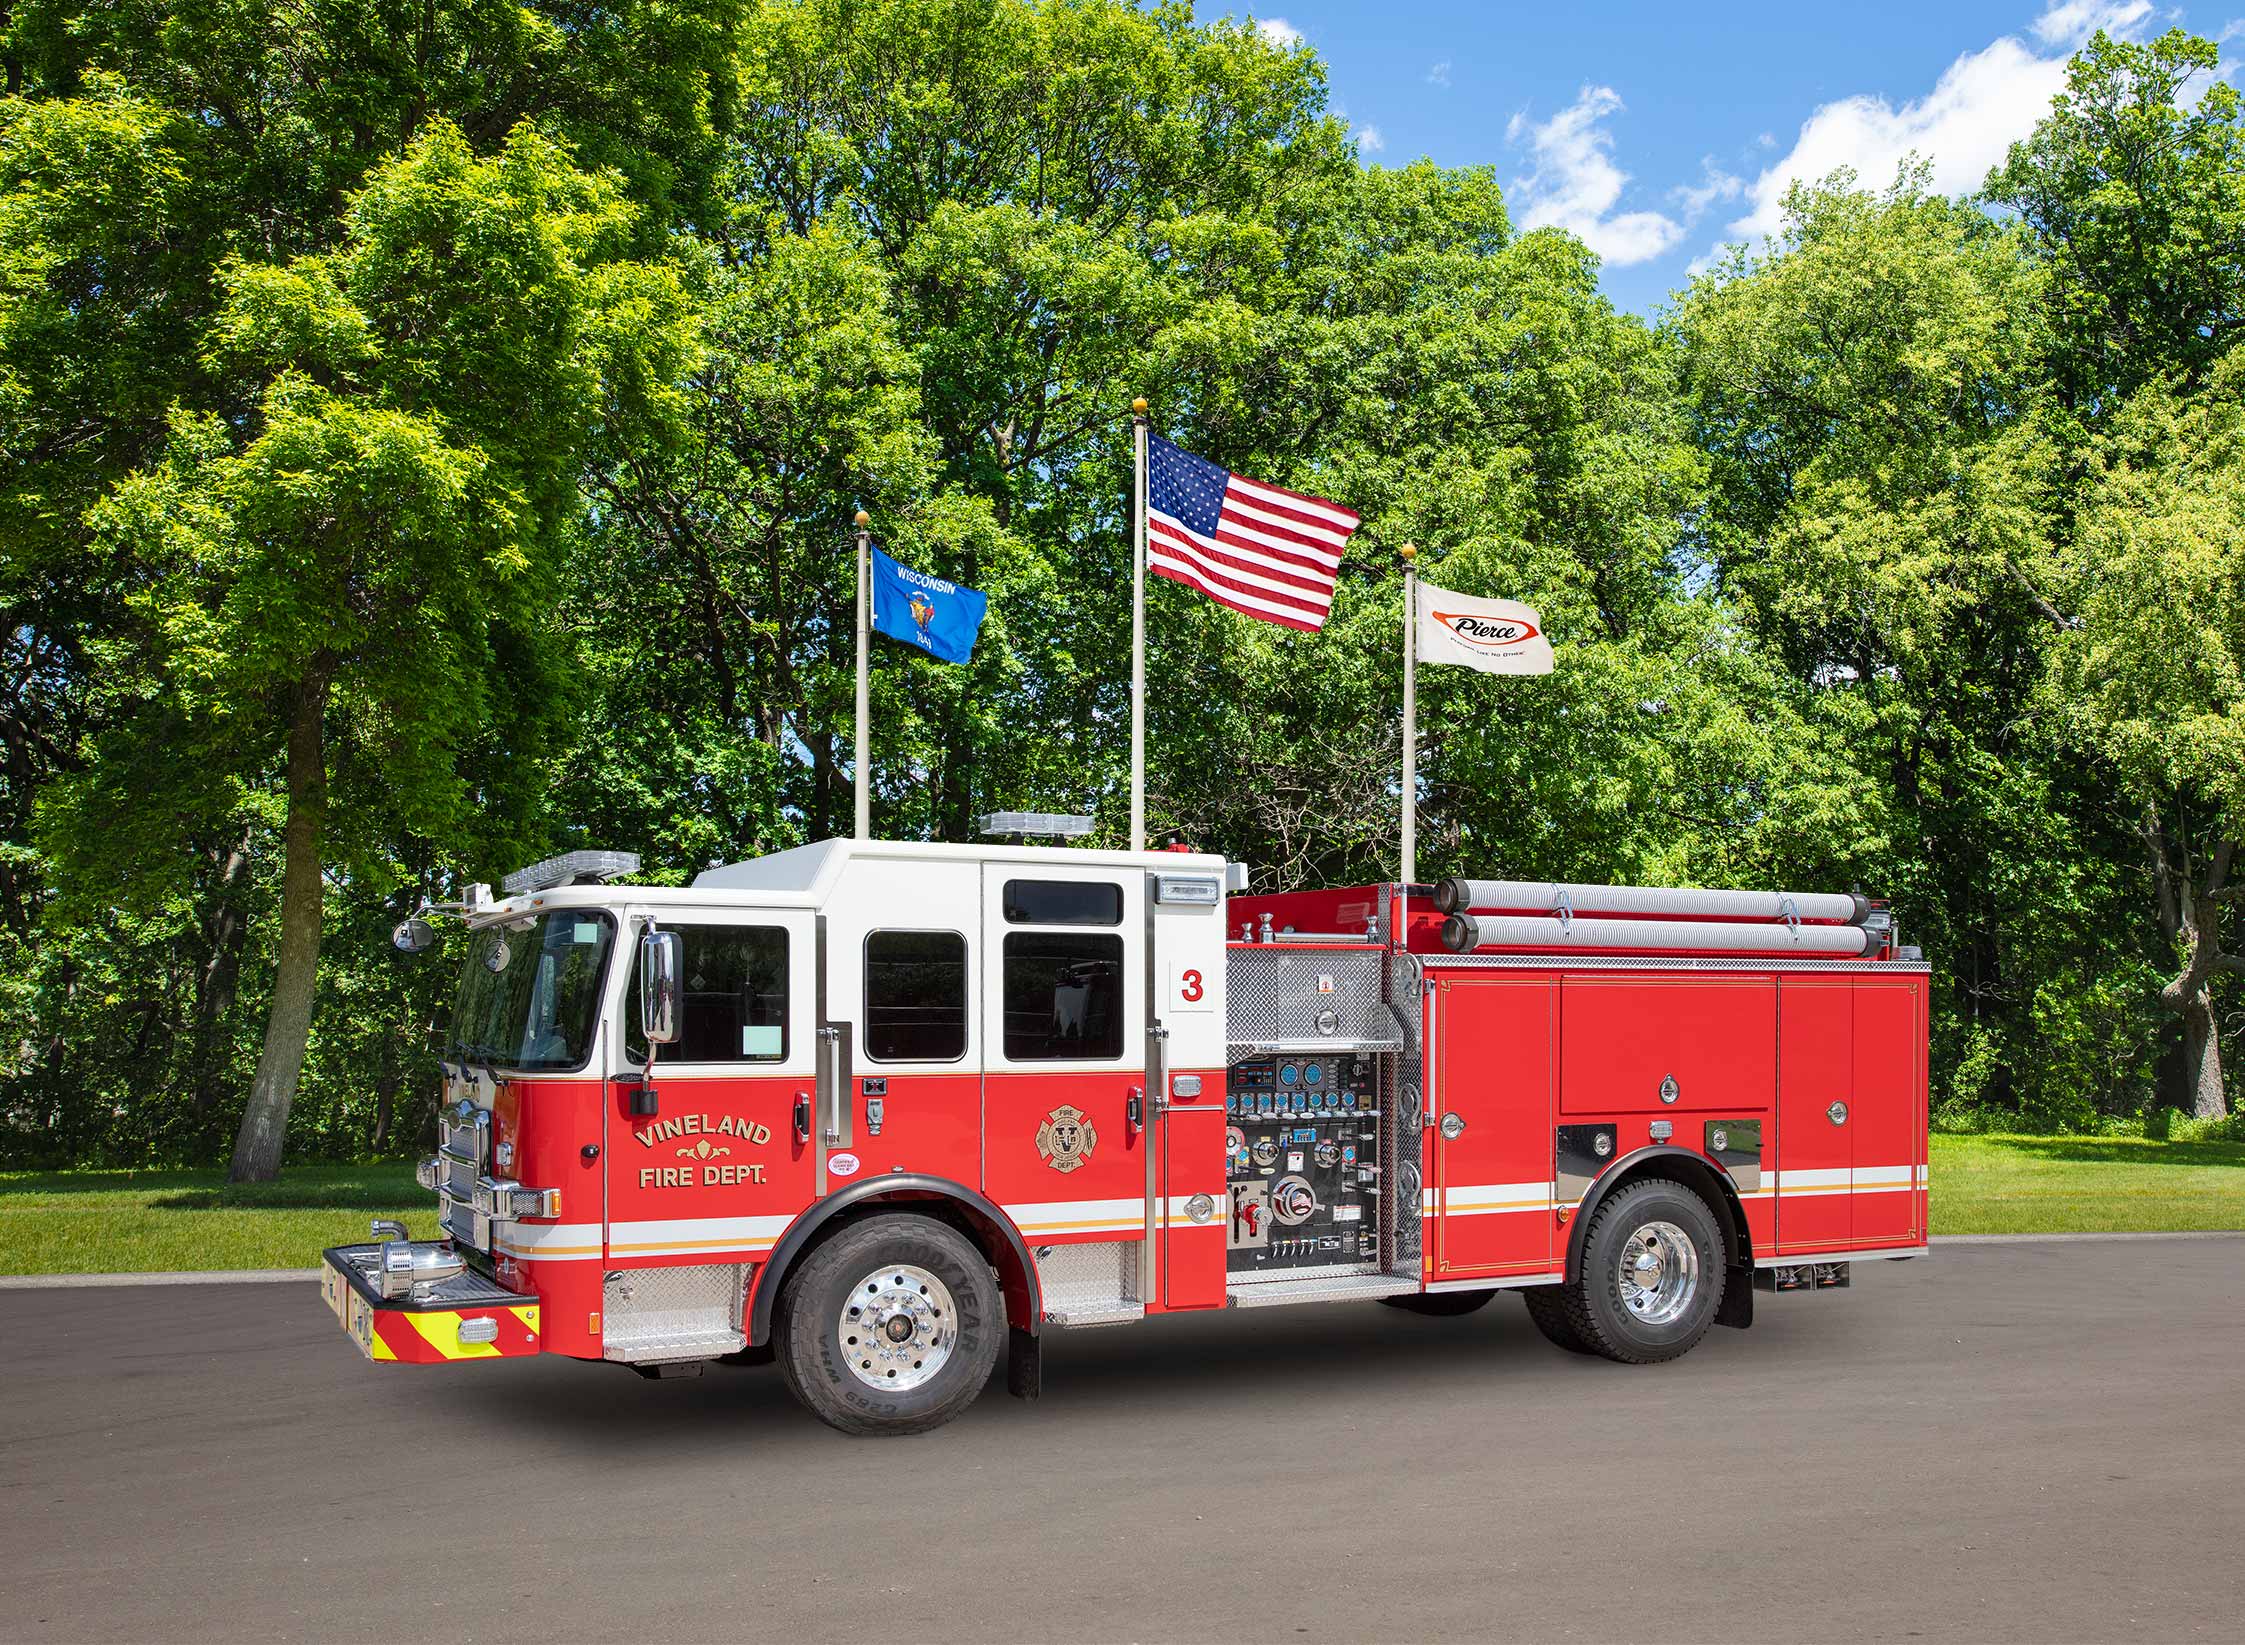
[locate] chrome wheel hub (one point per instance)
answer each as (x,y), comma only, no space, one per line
(897,1328)
(1659,1273)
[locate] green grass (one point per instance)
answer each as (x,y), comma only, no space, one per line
(128,1222)
(2044,1185)
(120,1222)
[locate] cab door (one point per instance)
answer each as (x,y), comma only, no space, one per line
(1063,1007)
(720,1168)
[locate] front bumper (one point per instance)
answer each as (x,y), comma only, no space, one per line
(466,1317)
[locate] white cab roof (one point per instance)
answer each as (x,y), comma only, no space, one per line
(813,868)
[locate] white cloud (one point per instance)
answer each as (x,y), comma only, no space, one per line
(1279,32)
(1575,185)
(1369,139)
(1983,103)
(1714,184)
(2070,22)
(1439,75)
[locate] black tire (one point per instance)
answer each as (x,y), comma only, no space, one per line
(1547,1306)
(1442,1304)
(809,1330)
(1593,1305)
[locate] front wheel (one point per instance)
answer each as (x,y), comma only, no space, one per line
(1653,1266)
(890,1327)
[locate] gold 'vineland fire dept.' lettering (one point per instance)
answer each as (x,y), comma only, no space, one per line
(701,1127)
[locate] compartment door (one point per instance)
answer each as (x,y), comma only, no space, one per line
(1815,1142)
(1496,1081)
(1889,1111)
(1667,1044)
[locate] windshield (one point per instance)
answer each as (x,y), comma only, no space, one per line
(530,993)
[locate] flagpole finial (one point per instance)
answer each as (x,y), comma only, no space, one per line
(863,519)
(1138,407)
(1407,553)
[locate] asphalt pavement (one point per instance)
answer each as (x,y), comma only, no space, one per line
(2017,1442)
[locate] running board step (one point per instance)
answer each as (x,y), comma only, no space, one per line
(1331,1288)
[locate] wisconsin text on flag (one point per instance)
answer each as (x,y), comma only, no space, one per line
(1260,549)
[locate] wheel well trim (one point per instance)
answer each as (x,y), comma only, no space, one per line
(903,1190)
(1694,1171)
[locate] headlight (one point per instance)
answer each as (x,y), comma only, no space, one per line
(504,1199)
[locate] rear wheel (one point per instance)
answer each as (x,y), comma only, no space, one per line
(1441,1304)
(1547,1306)
(890,1327)
(1653,1266)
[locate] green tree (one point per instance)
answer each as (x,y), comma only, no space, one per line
(363,570)
(2134,188)
(2150,679)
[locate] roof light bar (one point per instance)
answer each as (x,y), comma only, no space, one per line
(1033,822)
(571,868)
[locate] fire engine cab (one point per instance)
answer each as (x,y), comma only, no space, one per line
(888,1112)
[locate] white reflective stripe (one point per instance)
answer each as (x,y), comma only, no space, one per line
(1080,1216)
(1840,1177)
(1477,1199)
(1863,1179)
(693,1236)
(548,1241)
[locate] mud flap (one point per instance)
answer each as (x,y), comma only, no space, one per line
(1737,1310)
(1024,1364)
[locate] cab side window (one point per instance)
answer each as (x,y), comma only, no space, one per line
(735,1006)
(915,996)
(1063,996)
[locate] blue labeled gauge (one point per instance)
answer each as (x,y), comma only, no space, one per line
(1290,1074)
(1313,1073)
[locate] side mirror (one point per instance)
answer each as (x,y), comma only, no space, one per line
(662,960)
(413,936)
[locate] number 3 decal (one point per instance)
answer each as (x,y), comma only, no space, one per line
(1188,989)
(1190,986)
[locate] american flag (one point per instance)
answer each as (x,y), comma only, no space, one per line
(1260,549)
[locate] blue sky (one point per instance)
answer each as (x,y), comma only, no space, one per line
(1658,133)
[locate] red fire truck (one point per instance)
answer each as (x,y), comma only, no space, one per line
(888,1112)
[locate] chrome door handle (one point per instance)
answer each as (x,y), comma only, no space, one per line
(1837,1113)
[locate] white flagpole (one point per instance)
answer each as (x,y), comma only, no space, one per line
(1410,714)
(864,682)
(1138,638)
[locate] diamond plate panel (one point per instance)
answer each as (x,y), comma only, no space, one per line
(690,1312)
(1276,995)
(1331,1288)
(1096,1278)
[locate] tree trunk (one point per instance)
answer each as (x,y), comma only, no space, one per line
(2190,914)
(386,1083)
(215,982)
(288,1020)
(2202,1055)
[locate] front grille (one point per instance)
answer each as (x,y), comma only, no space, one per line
(464,1226)
(458,1179)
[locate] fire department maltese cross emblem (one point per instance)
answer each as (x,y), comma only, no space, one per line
(1066,1138)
